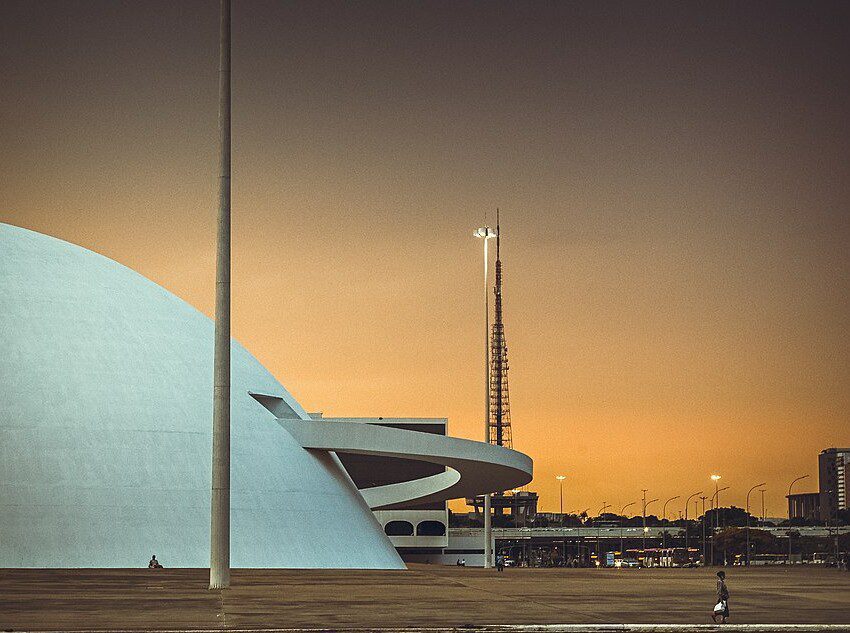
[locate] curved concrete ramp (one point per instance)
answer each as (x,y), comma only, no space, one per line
(472,468)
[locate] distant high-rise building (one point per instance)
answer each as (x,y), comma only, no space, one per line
(834,477)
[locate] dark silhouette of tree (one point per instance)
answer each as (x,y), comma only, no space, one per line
(734,541)
(729,517)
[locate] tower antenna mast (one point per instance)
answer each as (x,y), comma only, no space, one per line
(500,409)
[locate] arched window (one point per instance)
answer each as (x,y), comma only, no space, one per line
(398,528)
(431,528)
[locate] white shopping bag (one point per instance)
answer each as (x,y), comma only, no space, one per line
(720,607)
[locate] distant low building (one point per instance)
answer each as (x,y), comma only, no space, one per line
(805,505)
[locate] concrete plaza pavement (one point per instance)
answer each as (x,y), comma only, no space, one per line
(425,596)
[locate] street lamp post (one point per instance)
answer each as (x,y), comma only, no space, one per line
(715,479)
(622,515)
(835,532)
(598,528)
(715,505)
(687,502)
(486,233)
(645,529)
(762,508)
(791,485)
(560,479)
(702,524)
(664,519)
(748,519)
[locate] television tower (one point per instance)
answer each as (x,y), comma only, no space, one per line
(521,504)
(500,404)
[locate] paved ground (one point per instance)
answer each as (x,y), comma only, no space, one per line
(424,596)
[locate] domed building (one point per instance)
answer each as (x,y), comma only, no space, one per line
(105,434)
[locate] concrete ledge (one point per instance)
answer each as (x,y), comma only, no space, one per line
(473,467)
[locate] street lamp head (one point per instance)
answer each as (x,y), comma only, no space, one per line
(715,477)
(560,477)
(794,482)
(484,232)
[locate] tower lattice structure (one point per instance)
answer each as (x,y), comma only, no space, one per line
(500,403)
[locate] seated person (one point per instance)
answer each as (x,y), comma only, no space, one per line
(154,563)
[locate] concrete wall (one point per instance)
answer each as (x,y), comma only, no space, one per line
(415,518)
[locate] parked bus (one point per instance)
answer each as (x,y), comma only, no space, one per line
(667,557)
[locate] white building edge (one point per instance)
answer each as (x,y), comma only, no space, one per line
(105,435)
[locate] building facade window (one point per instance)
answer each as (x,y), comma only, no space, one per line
(398,528)
(431,528)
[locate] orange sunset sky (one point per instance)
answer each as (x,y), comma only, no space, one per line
(674,187)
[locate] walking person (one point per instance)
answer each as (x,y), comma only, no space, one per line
(500,563)
(721,608)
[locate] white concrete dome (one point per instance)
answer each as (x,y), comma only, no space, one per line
(105,431)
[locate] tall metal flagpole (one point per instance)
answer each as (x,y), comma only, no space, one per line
(220,497)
